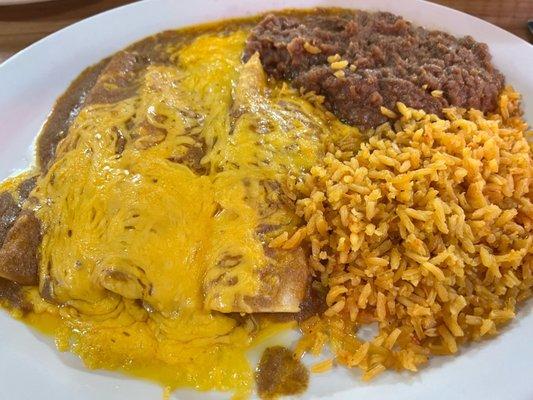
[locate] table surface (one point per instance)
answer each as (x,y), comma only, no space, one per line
(24,24)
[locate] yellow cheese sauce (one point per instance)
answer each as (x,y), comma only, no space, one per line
(139,248)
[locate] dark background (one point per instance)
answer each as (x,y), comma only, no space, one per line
(24,24)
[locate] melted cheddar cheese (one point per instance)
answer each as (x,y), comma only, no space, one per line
(140,246)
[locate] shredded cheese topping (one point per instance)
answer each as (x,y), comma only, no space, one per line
(141,243)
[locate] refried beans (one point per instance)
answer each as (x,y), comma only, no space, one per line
(361,61)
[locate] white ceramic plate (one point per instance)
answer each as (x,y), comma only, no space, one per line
(31,367)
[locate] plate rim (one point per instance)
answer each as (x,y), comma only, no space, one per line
(23,54)
(118,9)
